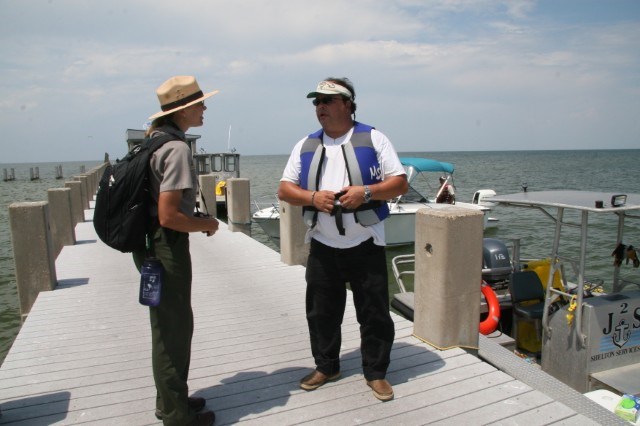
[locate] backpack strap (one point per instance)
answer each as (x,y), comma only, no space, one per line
(152,144)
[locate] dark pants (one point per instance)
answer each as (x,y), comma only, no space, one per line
(172,326)
(364,267)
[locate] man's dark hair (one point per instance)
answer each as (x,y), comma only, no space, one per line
(345,82)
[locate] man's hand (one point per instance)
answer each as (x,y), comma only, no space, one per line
(324,201)
(352,198)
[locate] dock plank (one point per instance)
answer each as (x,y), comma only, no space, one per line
(83,354)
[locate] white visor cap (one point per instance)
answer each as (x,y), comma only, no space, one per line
(330,88)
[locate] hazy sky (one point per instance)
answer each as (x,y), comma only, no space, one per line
(434,75)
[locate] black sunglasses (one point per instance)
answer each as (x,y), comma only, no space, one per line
(325,101)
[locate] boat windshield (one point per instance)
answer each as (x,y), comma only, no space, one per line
(413,196)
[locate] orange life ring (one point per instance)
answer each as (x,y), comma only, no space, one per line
(490,323)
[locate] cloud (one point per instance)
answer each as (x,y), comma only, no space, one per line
(436,68)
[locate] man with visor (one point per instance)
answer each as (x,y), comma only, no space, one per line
(342,175)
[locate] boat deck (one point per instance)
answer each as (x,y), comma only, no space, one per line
(83,354)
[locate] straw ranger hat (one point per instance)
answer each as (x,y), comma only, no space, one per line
(179,92)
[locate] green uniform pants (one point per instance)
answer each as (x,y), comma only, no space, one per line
(172,326)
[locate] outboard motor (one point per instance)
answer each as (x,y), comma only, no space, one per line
(482,197)
(496,265)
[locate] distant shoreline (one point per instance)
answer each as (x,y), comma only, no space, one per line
(36,163)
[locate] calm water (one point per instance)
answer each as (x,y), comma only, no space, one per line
(504,172)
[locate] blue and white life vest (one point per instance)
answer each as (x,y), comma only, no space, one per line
(363,168)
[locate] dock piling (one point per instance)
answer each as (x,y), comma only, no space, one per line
(239,205)
(62,226)
(83,191)
(77,211)
(33,251)
(293,250)
(34,173)
(208,194)
(448,250)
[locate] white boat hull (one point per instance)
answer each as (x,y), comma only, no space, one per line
(269,224)
(399,227)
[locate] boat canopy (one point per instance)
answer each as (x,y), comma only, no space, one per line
(415,167)
(427,164)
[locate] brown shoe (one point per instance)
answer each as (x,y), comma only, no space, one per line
(204,419)
(316,379)
(195,403)
(381,389)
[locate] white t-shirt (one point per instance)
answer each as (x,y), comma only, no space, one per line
(333,178)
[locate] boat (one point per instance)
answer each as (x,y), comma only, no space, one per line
(266,213)
(400,225)
(583,336)
(222,165)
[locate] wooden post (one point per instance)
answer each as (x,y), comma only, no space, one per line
(448,274)
(208,194)
(32,251)
(239,205)
(87,186)
(293,250)
(83,192)
(91,184)
(62,227)
(77,208)
(97,173)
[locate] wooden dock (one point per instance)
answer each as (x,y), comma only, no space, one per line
(83,354)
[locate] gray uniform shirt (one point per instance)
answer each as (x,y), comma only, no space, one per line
(172,169)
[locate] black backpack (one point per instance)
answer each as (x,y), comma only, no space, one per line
(121,217)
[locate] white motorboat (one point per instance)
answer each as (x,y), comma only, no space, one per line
(400,225)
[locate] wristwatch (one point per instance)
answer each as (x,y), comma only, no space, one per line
(367,194)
